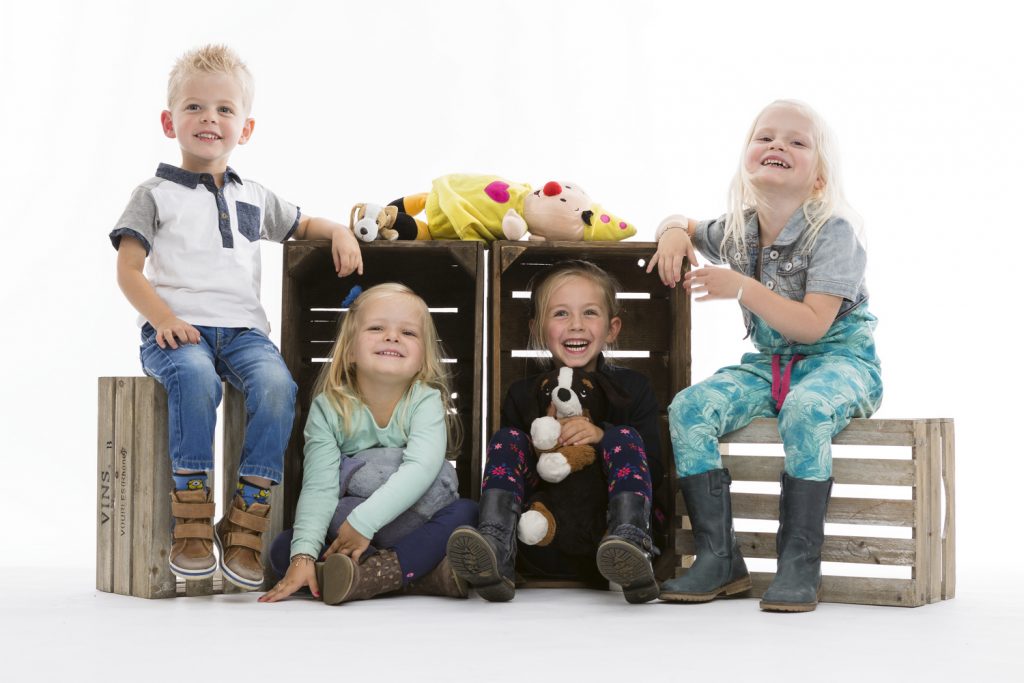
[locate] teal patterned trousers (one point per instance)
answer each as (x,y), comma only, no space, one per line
(836,379)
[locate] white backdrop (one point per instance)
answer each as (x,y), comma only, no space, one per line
(643,103)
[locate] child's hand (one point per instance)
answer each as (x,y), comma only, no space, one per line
(673,246)
(172,330)
(345,250)
(579,431)
(349,542)
(714,283)
(301,572)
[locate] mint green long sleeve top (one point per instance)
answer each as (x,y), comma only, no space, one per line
(417,425)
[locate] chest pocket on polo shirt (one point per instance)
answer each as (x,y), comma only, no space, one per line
(792,275)
(248,220)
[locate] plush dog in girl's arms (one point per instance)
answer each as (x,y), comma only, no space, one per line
(569,508)
(463,206)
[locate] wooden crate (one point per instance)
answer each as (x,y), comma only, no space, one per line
(657,324)
(133,482)
(449,275)
(926,468)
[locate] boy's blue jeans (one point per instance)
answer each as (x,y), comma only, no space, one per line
(192,376)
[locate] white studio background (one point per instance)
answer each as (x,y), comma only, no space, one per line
(643,103)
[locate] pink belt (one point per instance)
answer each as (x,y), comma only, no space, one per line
(780,378)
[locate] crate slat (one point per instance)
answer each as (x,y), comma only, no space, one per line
(872,511)
(105,523)
(852,549)
(853,589)
(868,471)
(124,447)
(860,432)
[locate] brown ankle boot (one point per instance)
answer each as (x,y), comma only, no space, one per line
(441,580)
(191,556)
(240,541)
(342,580)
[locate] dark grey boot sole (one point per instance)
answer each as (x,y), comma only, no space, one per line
(336,579)
(774,606)
(623,563)
(473,559)
(736,587)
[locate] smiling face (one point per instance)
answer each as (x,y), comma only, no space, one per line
(208,119)
(389,340)
(576,325)
(781,156)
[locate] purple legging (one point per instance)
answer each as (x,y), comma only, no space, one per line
(418,552)
(512,463)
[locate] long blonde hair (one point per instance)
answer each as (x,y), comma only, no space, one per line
(337,379)
(821,205)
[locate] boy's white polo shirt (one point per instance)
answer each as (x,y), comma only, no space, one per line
(203,243)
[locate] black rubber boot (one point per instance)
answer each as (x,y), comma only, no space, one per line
(624,556)
(797,581)
(719,567)
(486,556)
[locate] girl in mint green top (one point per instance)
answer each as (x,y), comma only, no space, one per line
(383,393)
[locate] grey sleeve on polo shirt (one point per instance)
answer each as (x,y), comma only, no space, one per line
(280,218)
(707,238)
(837,261)
(139,219)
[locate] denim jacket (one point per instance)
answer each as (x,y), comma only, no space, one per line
(834,264)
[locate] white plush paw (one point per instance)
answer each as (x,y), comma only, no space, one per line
(532,527)
(553,467)
(544,432)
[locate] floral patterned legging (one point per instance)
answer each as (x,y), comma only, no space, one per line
(512,463)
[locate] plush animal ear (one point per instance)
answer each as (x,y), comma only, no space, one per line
(588,217)
(541,397)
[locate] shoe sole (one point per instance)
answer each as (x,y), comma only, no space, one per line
(336,579)
(768,606)
(193,574)
(623,563)
(739,586)
(233,578)
(473,559)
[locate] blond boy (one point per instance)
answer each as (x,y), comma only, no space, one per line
(200,225)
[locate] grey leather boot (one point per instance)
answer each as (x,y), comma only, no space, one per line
(719,567)
(624,556)
(802,508)
(485,557)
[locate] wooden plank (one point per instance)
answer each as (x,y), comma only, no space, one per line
(105,485)
(853,590)
(933,451)
(868,471)
(851,549)
(124,453)
(921,573)
(860,432)
(151,505)
(949,527)
(872,511)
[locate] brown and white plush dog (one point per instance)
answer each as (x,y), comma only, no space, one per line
(569,507)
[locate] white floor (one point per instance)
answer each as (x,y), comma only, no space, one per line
(55,626)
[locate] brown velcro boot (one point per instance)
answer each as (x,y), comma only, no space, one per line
(240,541)
(342,580)
(191,556)
(441,580)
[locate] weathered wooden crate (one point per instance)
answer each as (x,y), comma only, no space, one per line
(449,275)
(133,483)
(655,337)
(926,468)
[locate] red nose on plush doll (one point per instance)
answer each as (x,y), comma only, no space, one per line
(552,189)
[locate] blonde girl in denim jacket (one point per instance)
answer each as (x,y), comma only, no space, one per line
(796,267)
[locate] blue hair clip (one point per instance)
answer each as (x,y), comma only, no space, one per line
(351,296)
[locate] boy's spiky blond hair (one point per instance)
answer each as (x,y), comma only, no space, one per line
(211,59)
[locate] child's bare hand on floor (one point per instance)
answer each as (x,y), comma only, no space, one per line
(301,572)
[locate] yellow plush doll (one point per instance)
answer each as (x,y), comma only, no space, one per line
(461,206)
